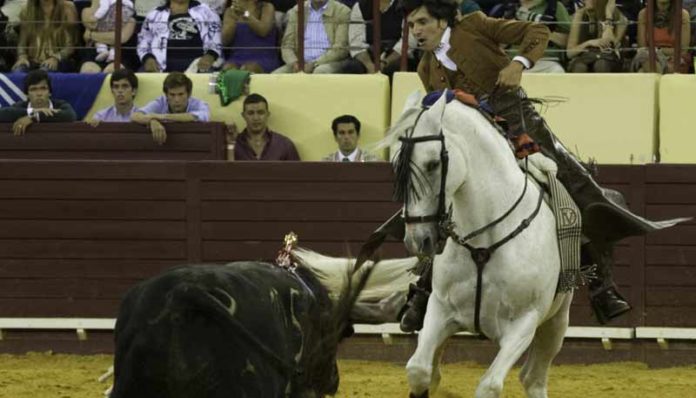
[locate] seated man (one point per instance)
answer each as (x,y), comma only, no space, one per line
(176,105)
(39,107)
(257,141)
(325,38)
(346,131)
(124,86)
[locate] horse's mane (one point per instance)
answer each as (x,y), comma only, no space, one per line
(388,277)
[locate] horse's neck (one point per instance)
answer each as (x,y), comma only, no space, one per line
(494,183)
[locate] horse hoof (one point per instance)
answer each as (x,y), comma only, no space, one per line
(423,395)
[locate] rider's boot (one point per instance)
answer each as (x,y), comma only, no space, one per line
(414,310)
(607,302)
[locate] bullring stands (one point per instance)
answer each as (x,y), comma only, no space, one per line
(302,106)
(609,117)
(614,118)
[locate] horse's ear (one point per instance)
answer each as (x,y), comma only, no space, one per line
(413,100)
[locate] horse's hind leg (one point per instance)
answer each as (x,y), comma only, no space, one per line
(437,327)
(512,345)
(547,343)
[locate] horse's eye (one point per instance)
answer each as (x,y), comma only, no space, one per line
(432,165)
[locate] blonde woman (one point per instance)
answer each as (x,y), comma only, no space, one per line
(664,23)
(595,38)
(47,36)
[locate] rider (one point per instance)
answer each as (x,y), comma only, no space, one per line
(466,54)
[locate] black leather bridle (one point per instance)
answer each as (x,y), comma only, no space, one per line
(408,144)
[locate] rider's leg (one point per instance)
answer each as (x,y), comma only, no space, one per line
(418,294)
(581,186)
(607,302)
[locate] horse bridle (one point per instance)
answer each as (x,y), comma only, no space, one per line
(440,216)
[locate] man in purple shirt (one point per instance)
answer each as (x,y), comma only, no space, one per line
(176,105)
(257,141)
(124,85)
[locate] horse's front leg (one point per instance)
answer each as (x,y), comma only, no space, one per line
(438,325)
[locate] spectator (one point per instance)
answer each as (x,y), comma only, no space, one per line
(361,38)
(176,105)
(257,141)
(9,32)
(47,36)
(39,107)
(124,87)
(555,16)
(176,34)
(100,29)
(689,5)
(664,23)
(346,131)
(249,28)
(595,36)
(325,38)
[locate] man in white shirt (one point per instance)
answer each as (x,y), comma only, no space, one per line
(325,41)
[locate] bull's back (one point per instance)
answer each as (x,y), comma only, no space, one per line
(210,331)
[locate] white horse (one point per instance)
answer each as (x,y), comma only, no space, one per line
(519,305)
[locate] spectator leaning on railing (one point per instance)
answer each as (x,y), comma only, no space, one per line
(176,105)
(47,36)
(325,38)
(177,34)
(39,106)
(124,87)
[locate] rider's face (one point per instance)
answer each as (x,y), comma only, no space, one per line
(426,29)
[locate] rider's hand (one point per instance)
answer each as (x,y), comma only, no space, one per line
(510,76)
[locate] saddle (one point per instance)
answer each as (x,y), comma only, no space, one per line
(522,144)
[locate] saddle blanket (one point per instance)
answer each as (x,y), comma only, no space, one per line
(568,220)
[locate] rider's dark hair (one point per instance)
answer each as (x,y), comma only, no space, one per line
(439,9)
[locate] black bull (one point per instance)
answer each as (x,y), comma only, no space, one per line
(246,329)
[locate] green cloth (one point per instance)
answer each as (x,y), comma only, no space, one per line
(230,84)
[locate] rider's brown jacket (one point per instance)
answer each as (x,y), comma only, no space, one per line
(475,43)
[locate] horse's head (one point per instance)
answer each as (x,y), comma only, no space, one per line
(425,176)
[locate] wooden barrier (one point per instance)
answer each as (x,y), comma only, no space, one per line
(75,235)
(185,141)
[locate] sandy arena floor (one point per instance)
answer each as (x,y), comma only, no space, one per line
(68,376)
